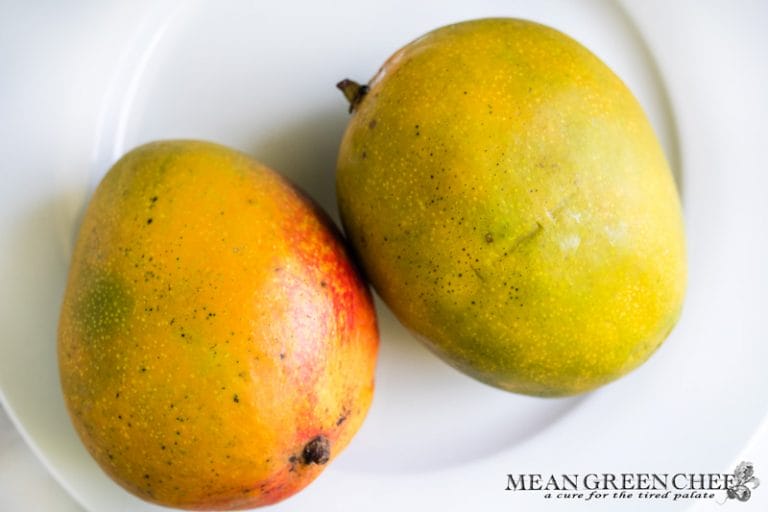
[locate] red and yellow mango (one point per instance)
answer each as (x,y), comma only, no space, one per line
(216,345)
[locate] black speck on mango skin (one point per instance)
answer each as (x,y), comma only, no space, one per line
(514,207)
(169,385)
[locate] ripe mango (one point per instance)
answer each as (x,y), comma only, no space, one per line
(216,345)
(510,202)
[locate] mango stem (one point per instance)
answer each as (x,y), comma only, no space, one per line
(353,91)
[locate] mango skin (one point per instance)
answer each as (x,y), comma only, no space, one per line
(216,346)
(509,201)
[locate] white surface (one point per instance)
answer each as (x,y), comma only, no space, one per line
(25,485)
(81,85)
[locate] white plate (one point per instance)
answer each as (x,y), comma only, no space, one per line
(82,85)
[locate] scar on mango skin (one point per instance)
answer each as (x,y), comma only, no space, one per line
(316,451)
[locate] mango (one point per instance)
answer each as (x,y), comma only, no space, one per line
(216,344)
(510,202)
